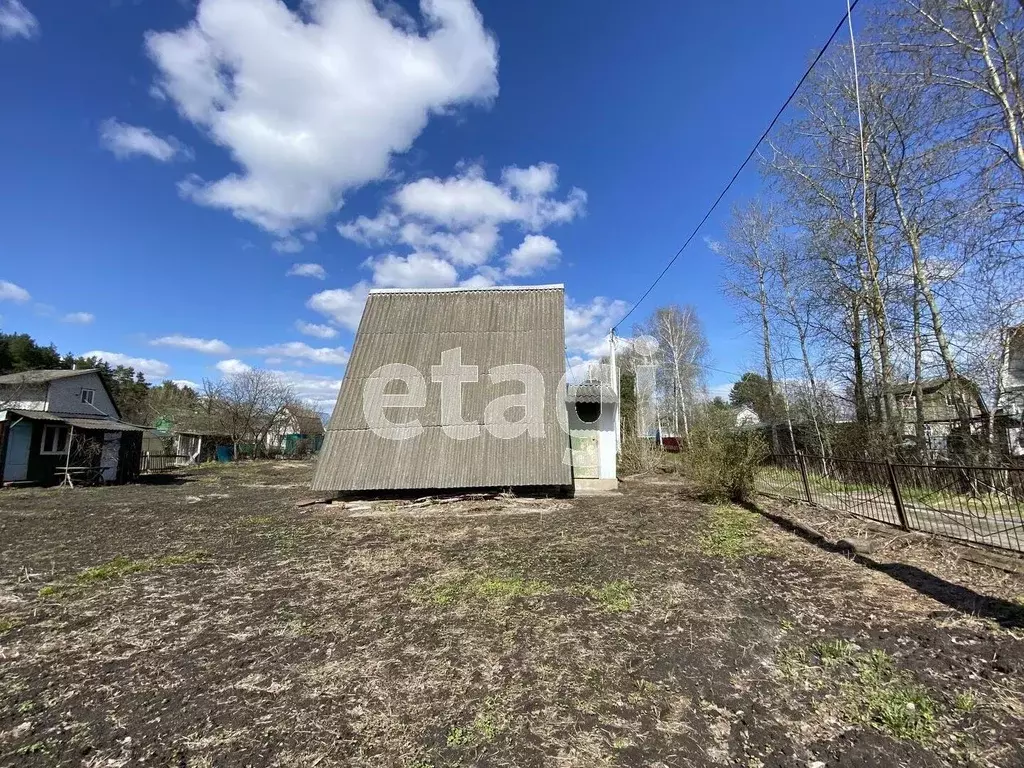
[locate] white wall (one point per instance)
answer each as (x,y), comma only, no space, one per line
(66,396)
(604,430)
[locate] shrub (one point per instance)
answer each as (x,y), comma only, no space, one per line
(722,460)
(637,455)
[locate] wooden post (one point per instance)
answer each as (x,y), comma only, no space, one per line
(896,496)
(803,476)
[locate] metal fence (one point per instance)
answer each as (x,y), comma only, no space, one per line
(977,504)
(159,462)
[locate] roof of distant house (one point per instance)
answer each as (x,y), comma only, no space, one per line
(42,377)
(307,420)
(927,385)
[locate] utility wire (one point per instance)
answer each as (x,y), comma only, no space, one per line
(749,157)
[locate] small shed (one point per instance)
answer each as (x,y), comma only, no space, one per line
(593,417)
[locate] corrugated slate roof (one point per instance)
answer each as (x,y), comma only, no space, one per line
(492,328)
(82,422)
(41,377)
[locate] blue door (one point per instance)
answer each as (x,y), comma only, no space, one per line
(19,437)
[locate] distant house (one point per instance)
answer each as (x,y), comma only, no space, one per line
(298,430)
(54,420)
(938,397)
(1010,408)
(746,417)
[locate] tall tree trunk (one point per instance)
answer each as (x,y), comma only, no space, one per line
(922,441)
(769,374)
(860,400)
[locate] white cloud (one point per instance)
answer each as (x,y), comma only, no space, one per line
(17,21)
(308,270)
(467,248)
(302,351)
(418,270)
(232,367)
(185,383)
(468,198)
(312,105)
(535,253)
(316,330)
(288,245)
(153,369)
(587,326)
(12,292)
(209,346)
(343,305)
(78,318)
(131,140)
(478,280)
(379,229)
(321,390)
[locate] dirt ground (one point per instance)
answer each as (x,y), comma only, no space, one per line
(209,621)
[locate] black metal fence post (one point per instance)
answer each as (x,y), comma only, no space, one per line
(803,476)
(897,497)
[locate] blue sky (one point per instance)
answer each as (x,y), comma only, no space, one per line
(167,164)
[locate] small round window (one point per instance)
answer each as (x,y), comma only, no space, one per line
(588,413)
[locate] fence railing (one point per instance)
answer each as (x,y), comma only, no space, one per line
(159,462)
(977,504)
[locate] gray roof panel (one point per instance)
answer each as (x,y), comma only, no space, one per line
(492,328)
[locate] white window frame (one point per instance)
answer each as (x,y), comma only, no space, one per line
(92,396)
(50,431)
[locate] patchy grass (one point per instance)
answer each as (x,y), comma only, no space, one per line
(7,623)
(965,702)
(485,726)
(872,690)
(257,521)
(613,596)
(622,630)
(890,699)
(118,568)
(731,533)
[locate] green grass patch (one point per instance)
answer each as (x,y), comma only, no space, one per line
(257,521)
(832,652)
(484,728)
(118,568)
(612,596)
(731,533)
(7,623)
(965,702)
(872,690)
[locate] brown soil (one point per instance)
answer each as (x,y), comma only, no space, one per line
(209,621)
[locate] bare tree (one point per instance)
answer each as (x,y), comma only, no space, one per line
(683,354)
(247,405)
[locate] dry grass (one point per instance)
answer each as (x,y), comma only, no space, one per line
(213,623)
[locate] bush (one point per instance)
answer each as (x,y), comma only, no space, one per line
(722,460)
(638,455)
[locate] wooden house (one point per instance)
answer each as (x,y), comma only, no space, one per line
(57,425)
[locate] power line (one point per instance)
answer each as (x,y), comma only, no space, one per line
(749,157)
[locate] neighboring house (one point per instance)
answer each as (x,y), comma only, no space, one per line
(298,429)
(56,419)
(1011,401)
(390,435)
(938,397)
(746,417)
